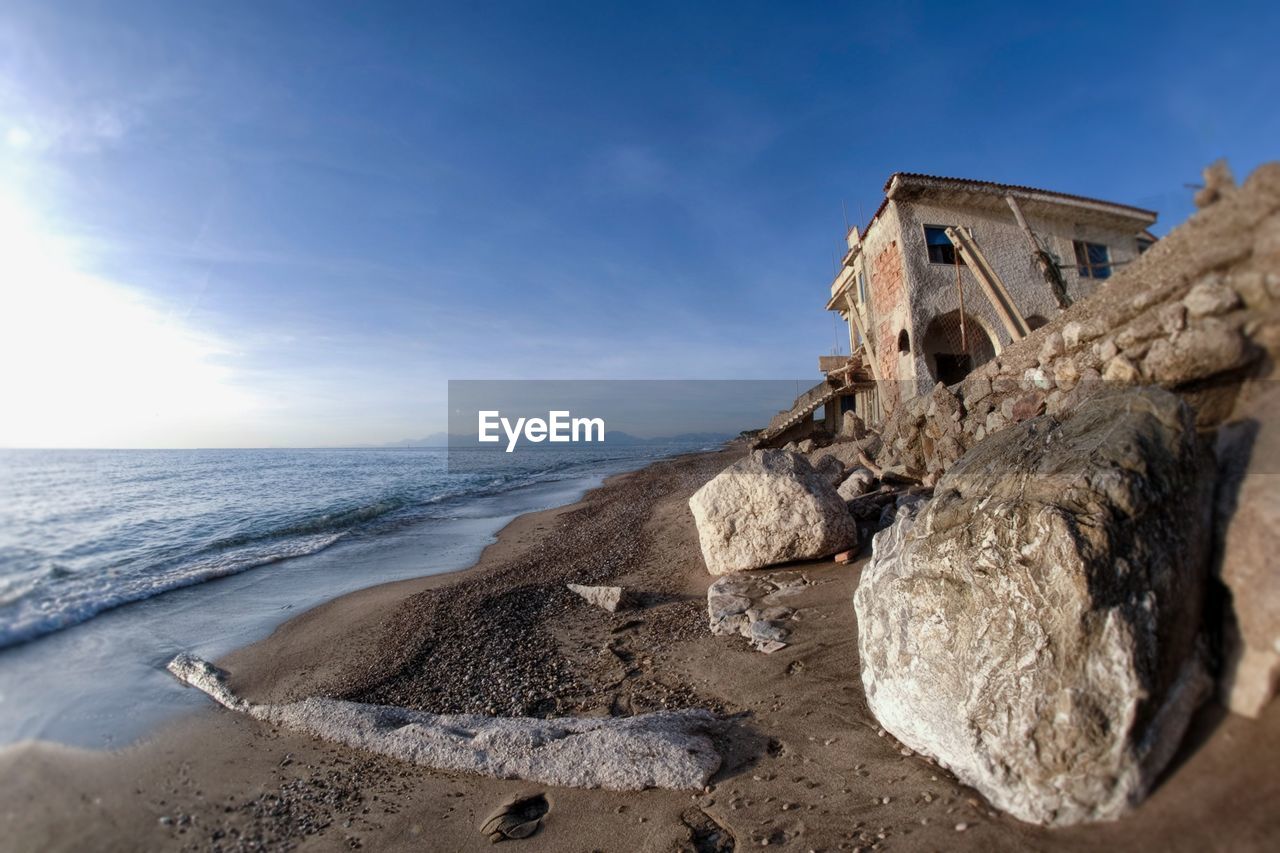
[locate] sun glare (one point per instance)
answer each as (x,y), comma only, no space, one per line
(90,363)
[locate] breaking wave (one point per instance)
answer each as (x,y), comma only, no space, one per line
(84,532)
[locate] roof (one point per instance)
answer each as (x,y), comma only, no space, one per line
(928,182)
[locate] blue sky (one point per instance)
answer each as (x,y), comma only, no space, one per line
(290,223)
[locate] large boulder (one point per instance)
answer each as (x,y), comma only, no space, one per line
(1249,519)
(771,507)
(1036,626)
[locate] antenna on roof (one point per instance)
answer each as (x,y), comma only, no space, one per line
(845,211)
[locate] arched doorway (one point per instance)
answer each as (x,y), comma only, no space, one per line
(953,349)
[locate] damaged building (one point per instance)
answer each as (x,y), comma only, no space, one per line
(947,273)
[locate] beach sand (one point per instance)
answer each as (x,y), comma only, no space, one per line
(806,766)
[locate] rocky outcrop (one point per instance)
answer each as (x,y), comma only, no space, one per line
(769,508)
(667,749)
(1249,513)
(754,607)
(1035,626)
(610,598)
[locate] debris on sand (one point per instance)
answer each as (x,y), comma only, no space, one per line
(664,749)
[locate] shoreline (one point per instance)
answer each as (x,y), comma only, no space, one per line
(111,688)
(805,764)
(287,664)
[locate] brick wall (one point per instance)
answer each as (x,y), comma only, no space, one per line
(887,297)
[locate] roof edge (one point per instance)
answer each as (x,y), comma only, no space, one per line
(995,187)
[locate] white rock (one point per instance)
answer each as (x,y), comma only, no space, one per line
(1037,377)
(1036,626)
(856,484)
(1211,297)
(1076,333)
(667,749)
(610,598)
(1052,347)
(770,507)
(1121,369)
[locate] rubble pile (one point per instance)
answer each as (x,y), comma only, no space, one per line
(1075,478)
(1052,534)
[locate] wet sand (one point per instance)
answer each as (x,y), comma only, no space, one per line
(806,767)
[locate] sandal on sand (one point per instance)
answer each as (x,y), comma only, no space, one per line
(518,817)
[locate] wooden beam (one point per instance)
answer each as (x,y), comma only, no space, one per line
(992,286)
(1052,276)
(866,340)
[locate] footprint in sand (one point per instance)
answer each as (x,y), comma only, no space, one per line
(519,817)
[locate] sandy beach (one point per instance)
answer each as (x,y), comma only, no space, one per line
(805,764)
(617,427)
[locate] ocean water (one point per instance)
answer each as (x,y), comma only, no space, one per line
(113,561)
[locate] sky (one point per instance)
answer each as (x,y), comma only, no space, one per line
(289,224)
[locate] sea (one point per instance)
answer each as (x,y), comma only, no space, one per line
(113,561)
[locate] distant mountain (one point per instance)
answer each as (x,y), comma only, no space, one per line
(613,438)
(436,439)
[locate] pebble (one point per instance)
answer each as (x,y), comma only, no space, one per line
(962,826)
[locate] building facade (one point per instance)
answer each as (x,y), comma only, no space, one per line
(922,310)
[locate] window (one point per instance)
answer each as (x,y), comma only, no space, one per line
(940,249)
(1093,260)
(904,341)
(862,288)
